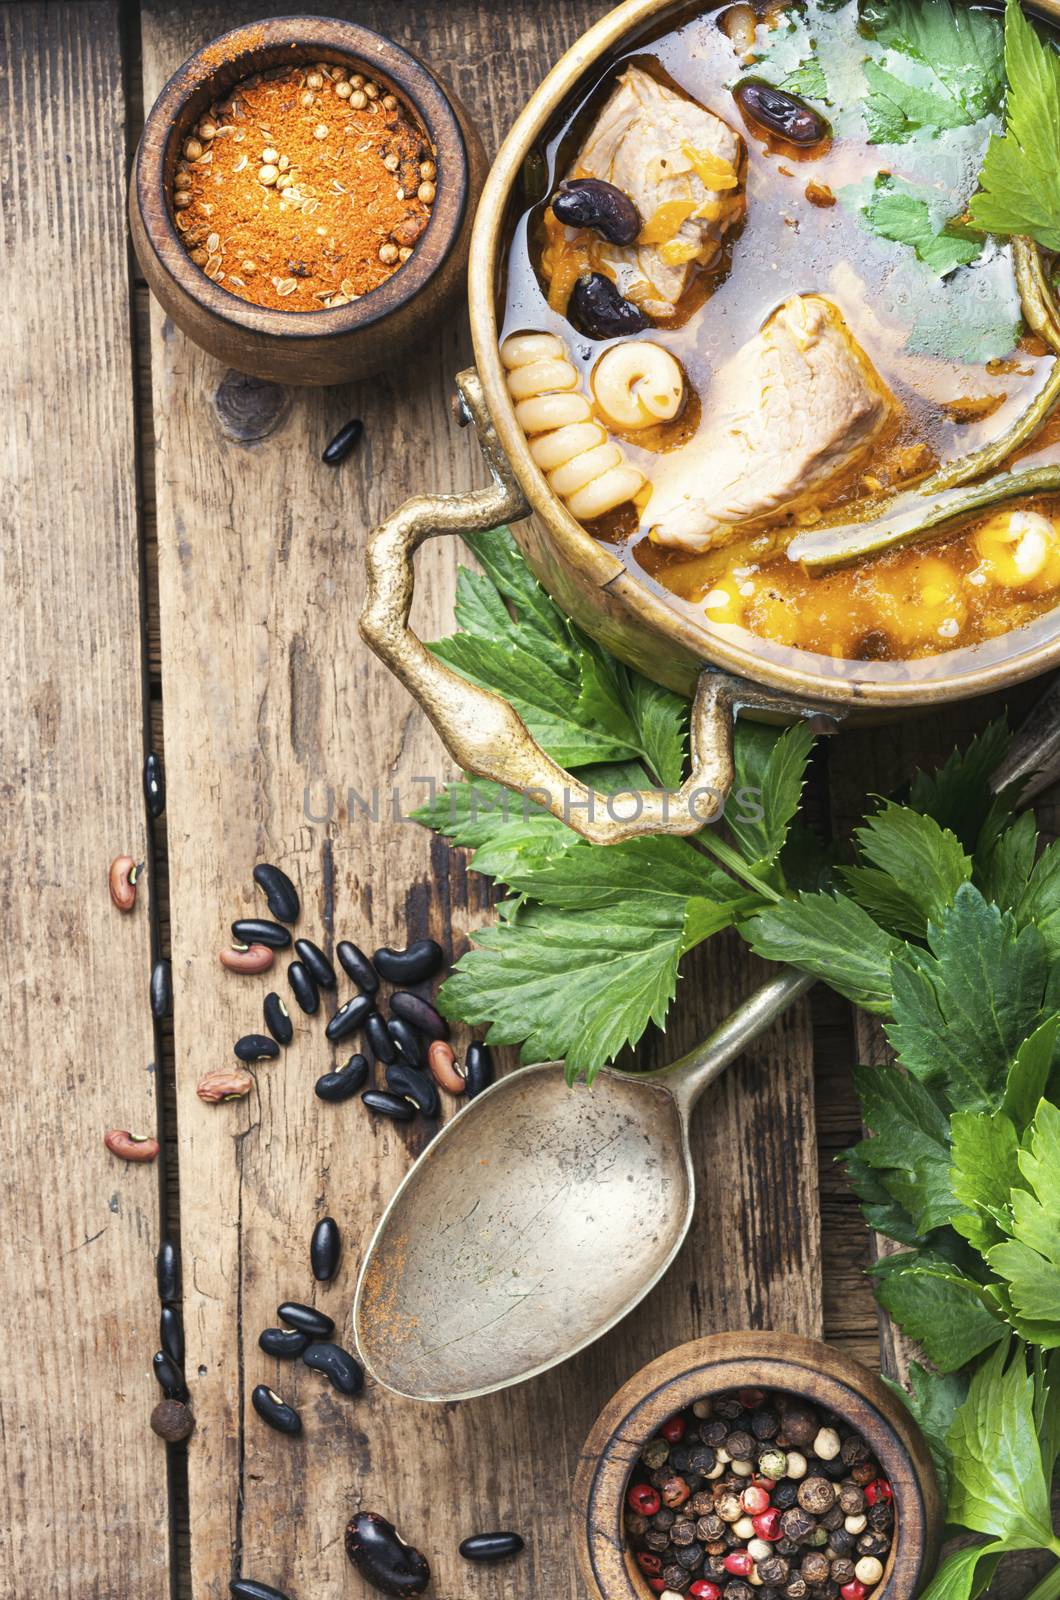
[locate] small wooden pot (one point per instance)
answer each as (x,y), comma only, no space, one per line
(805,1367)
(306,347)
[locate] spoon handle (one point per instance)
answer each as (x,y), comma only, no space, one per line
(687,1077)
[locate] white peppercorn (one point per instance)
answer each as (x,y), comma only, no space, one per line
(827,1444)
(869,1571)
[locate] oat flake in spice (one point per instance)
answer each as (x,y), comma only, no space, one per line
(304,190)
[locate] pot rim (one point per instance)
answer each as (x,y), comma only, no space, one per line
(203,75)
(823,1374)
(597,563)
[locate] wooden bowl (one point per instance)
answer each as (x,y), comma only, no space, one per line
(805,1367)
(306,347)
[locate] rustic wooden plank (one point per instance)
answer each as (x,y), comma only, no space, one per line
(82,1478)
(269,696)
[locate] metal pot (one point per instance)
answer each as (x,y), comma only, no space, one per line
(481,731)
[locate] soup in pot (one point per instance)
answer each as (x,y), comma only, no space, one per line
(775,336)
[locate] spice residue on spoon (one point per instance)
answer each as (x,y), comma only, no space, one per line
(305,189)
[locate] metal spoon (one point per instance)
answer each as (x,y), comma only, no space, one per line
(522,1234)
(524,1231)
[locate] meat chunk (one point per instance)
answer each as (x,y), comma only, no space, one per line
(681,166)
(799,404)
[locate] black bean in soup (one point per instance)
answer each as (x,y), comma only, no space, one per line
(411,965)
(278,1019)
(258,930)
(281,896)
(357,966)
(275,1411)
(307,1319)
(317,962)
(303,988)
(325,1249)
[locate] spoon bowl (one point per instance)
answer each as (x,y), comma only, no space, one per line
(538,1218)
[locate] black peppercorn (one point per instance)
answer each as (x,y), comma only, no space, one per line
(800,1426)
(873,1544)
(854,1449)
(655,1453)
(787,1547)
(702,1459)
(773,1570)
(815,1566)
(841,1541)
(816,1495)
(172,1420)
(676,1577)
(683,1532)
(796,1587)
(797,1524)
(709,1526)
(636,1524)
(728,1406)
(829,1590)
(738,1590)
(713,1433)
(864,1472)
(701,1504)
(842,1570)
(740,1445)
(880,1516)
(851,1499)
(657,1539)
(785,1494)
(690,1556)
(664,1518)
(832,1518)
(764,1423)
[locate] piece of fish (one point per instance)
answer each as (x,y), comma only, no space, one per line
(682,167)
(798,405)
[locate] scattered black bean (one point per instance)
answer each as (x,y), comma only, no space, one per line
(375,1031)
(420,1013)
(598,310)
(593,203)
(406,1081)
(349,1018)
(325,1248)
(276,1412)
(285,1343)
(491,1546)
(307,1319)
(278,1019)
(303,987)
(408,1041)
(167,1271)
(251,1589)
(280,893)
(171,1334)
(344,443)
(478,1069)
(394,1106)
(317,962)
(338,1365)
(344,1084)
(256,1047)
(161,989)
(172,1421)
(258,930)
(170,1378)
(780,113)
(381,1556)
(357,966)
(417,961)
(154,784)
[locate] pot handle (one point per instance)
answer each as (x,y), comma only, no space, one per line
(483,733)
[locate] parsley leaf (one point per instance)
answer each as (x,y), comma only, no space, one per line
(900,214)
(1029,1074)
(958,794)
(833,938)
(998,1483)
(910,1148)
(939,1306)
(1040,902)
(1020,180)
(962,46)
(924,864)
(963,1007)
(773,770)
(1030,1261)
(933,1399)
(984,1170)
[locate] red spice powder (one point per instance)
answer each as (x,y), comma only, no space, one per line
(305,189)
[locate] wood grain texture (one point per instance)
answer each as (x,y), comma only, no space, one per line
(83,1480)
(274,712)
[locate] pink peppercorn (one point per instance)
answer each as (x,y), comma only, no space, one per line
(673,1430)
(767,1524)
(703,1589)
(643,1499)
(754,1499)
(878,1489)
(739,1563)
(854,1590)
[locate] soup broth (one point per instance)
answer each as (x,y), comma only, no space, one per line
(834,341)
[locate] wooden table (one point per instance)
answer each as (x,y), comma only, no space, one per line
(180,573)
